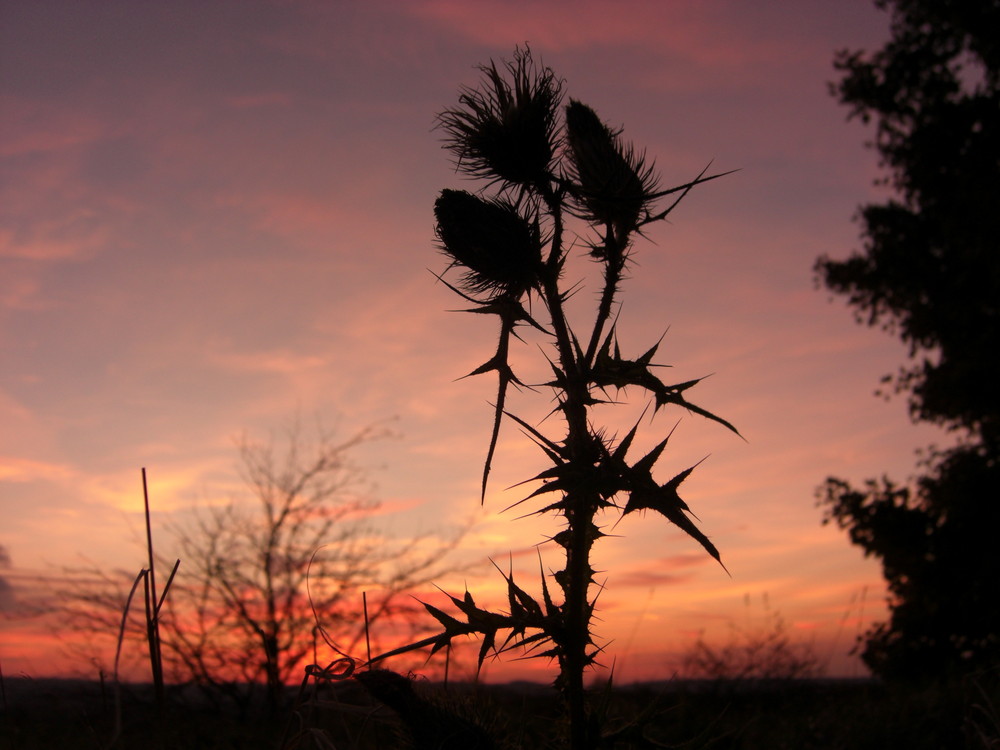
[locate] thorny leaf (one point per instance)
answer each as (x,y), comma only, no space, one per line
(521,603)
(683,190)
(505,376)
(525,614)
(505,308)
(647,494)
(511,312)
(612,370)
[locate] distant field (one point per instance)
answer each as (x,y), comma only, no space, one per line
(689,714)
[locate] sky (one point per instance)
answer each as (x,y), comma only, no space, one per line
(216,219)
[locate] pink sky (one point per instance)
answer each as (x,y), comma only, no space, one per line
(218,215)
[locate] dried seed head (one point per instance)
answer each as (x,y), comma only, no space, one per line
(501,249)
(611,183)
(506,129)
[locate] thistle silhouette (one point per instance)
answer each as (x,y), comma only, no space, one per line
(511,250)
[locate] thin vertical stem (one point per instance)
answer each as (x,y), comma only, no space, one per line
(368,643)
(149,539)
(143,576)
(613,267)
(152,605)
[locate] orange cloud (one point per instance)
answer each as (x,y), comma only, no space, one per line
(17,469)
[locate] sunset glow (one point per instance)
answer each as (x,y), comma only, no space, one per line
(216,218)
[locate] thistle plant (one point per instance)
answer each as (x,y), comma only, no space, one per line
(545,163)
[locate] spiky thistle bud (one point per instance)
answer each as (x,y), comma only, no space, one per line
(506,129)
(611,183)
(500,248)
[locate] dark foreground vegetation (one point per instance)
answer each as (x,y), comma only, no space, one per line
(677,714)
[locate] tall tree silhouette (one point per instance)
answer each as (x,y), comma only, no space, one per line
(930,273)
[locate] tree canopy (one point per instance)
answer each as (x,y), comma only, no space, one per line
(929,272)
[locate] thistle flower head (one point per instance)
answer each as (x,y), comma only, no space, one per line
(500,249)
(612,184)
(506,129)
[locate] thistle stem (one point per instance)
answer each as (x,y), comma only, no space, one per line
(614,251)
(580,507)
